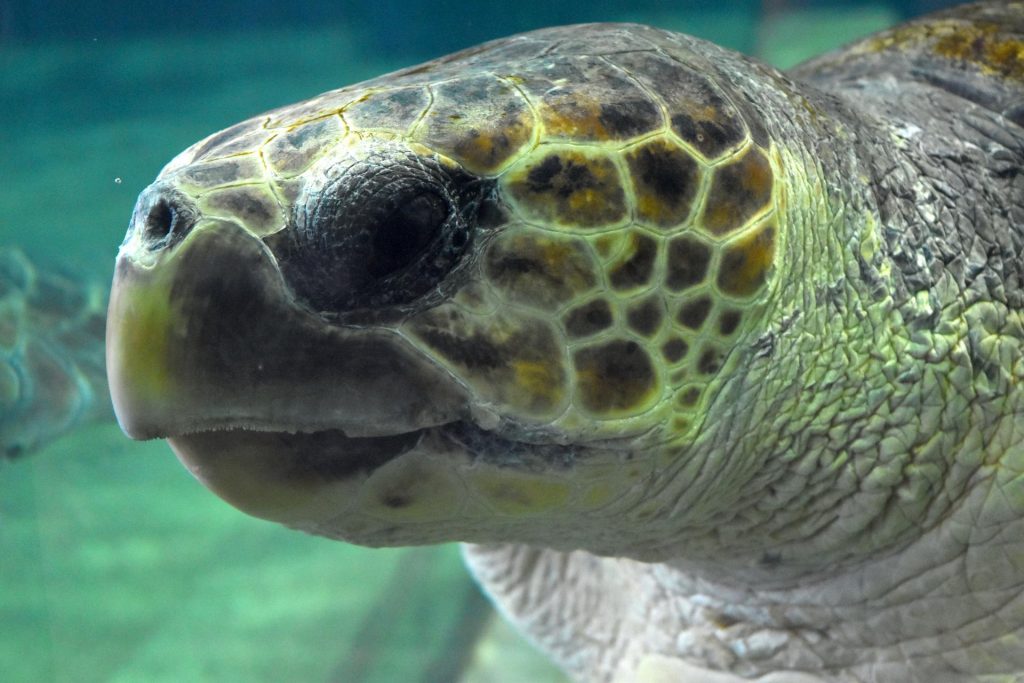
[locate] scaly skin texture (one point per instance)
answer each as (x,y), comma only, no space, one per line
(878,534)
(719,367)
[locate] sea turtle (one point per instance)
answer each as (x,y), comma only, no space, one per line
(52,377)
(716,368)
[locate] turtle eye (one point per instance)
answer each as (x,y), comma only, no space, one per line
(380,231)
(406,233)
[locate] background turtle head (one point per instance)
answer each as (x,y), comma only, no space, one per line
(489,297)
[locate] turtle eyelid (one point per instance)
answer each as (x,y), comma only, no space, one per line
(384,231)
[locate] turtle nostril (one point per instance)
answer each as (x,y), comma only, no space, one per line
(162,217)
(159,221)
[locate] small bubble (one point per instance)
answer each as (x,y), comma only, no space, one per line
(117,181)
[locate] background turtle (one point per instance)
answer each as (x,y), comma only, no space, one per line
(52,377)
(717,367)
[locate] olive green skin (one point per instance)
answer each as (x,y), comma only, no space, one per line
(719,369)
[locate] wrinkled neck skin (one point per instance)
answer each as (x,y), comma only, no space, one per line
(852,507)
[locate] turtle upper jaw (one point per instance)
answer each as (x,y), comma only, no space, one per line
(205,336)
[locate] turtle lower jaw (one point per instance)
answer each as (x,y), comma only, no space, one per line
(281,476)
(301,477)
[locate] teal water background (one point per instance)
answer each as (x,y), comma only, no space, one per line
(114,564)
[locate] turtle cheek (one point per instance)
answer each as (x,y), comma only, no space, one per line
(514,363)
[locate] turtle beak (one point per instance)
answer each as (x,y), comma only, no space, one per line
(203,334)
(138,330)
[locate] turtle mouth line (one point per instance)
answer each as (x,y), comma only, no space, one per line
(321,454)
(333,454)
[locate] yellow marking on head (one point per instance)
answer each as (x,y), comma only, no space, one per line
(539,379)
(585,200)
(573,116)
(537,268)
(516,494)
(980,43)
(517,362)
(633,267)
(615,379)
(648,205)
(480,120)
(604,244)
(739,190)
(745,262)
(144,329)
(568,186)
(665,181)
(556,255)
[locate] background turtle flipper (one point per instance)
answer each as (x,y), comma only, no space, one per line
(52,375)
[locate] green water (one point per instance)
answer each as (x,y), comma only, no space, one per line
(114,564)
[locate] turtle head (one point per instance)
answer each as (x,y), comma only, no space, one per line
(452,304)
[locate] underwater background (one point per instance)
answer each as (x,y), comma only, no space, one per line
(114,564)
